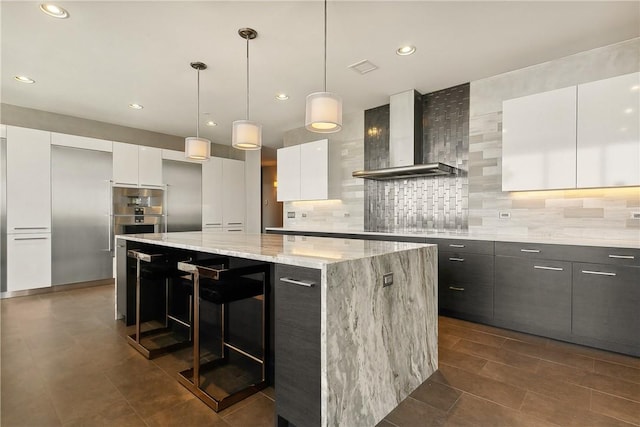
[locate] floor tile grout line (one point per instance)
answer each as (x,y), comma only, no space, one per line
(126,400)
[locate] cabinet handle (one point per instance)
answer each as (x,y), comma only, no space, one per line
(234,223)
(306,283)
(235,229)
(599,273)
(532,251)
(542,267)
(214,223)
(456,246)
(30,238)
(455,288)
(622,256)
(30,228)
(457,259)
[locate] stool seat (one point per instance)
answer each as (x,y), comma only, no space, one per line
(225,291)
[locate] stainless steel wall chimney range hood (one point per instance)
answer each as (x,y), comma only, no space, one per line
(405,144)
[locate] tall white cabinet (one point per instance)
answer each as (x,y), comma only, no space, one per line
(223,195)
(28,208)
(608,132)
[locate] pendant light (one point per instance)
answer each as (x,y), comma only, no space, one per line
(197,148)
(324,109)
(246,134)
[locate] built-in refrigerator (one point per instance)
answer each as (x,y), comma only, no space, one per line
(81,242)
(183,194)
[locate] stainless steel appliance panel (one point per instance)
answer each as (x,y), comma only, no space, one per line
(3,215)
(80,224)
(184,195)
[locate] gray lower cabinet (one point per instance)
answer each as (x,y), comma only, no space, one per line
(297,344)
(465,285)
(606,306)
(533,295)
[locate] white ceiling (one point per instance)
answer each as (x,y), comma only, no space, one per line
(110,54)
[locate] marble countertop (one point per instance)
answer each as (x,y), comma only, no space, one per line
(312,252)
(465,235)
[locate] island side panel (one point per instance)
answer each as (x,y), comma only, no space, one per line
(381,342)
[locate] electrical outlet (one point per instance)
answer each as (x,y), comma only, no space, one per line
(387,280)
(504,215)
(304,215)
(291,214)
(635,215)
(347,214)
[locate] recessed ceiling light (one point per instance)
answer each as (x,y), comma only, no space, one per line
(211,123)
(628,110)
(24,79)
(136,106)
(635,87)
(405,50)
(53,10)
(282,97)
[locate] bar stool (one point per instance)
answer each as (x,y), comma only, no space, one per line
(205,380)
(161,269)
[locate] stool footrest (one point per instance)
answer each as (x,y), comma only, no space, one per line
(213,396)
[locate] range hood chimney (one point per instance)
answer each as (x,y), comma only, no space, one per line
(405,142)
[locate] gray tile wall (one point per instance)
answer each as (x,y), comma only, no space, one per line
(589,213)
(417,204)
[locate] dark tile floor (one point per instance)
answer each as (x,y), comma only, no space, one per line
(64,361)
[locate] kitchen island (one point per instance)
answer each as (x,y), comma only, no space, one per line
(376,305)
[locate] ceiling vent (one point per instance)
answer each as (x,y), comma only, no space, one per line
(363,67)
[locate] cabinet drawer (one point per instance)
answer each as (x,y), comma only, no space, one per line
(606,301)
(536,251)
(463,246)
(533,295)
(613,256)
(465,268)
(297,344)
(28,261)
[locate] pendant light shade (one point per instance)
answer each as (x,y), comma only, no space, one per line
(324,112)
(324,109)
(196,148)
(247,134)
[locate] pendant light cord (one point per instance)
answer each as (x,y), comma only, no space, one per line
(325,45)
(198,106)
(247,37)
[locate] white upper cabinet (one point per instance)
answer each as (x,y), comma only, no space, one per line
(125,164)
(288,173)
(83,142)
(303,171)
(539,141)
(178,156)
(608,132)
(149,166)
(28,180)
(314,170)
(137,166)
(212,193)
(223,194)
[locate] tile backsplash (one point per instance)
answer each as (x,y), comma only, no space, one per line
(417,204)
(589,213)
(470,138)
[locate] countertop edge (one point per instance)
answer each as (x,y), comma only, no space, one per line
(567,240)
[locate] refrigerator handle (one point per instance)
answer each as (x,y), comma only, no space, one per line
(166,208)
(110,236)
